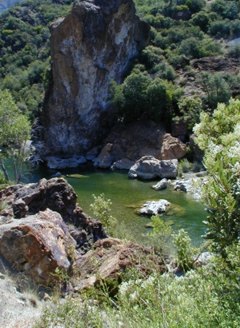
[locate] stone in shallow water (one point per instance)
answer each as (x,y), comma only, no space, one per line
(155,207)
(149,167)
(161,185)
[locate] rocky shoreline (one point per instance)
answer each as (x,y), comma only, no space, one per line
(43,231)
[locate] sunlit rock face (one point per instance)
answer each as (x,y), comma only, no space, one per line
(93,46)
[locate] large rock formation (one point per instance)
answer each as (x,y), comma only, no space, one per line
(43,228)
(93,46)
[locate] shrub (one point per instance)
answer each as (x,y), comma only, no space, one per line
(185,252)
(101,208)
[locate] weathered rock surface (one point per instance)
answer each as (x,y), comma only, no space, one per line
(110,257)
(43,228)
(38,244)
(172,148)
(161,185)
(104,159)
(155,207)
(90,48)
(148,168)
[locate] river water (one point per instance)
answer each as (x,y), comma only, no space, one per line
(127,195)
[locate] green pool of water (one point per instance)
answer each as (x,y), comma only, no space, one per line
(126,194)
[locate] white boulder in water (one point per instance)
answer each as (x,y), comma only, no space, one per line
(155,207)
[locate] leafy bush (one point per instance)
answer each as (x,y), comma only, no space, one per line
(101,208)
(218,135)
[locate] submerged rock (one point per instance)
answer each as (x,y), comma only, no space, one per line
(148,168)
(93,46)
(155,207)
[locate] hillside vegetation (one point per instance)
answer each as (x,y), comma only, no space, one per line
(187,68)
(24,50)
(167,83)
(188,65)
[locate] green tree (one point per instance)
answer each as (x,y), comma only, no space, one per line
(218,135)
(14,133)
(217,89)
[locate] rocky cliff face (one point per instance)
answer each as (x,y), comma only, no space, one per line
(93,46)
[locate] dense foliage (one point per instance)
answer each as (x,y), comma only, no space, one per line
(14,134)
(181,32)
(24,50)
(218,135)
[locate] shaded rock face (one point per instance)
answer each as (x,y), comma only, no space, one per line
(90,48)
(133,140)
(43,228)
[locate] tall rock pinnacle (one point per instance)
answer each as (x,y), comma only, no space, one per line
(93,46)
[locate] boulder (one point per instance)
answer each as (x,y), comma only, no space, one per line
(155,207)
(54,194)
(161,185)
(172,148)
(104,159)
(148,168)
(37,245)
(91,47)
(42,228)
(122,164)
(110,258)
(181,185)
